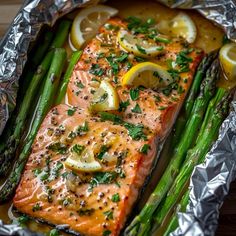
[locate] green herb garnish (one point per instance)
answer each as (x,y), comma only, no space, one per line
(103,150)
(109,215)
(58,147)
(144,149)
(136,109)
(115,197)
(123,105)
(134,94)
(78,149)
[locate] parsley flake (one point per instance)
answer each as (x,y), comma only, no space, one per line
(144,149)
(134,94)
(136,109)
(115,197)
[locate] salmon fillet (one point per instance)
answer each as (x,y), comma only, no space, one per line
(99,203)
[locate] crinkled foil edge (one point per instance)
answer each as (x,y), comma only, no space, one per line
(210,181)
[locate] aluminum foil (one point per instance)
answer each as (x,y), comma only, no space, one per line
(210,181)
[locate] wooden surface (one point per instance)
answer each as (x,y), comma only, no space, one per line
(227,222)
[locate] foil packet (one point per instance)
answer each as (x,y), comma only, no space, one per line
(210,181)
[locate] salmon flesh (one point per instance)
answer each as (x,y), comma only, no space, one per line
(98,203)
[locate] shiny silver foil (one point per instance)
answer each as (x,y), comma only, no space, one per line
(210,181)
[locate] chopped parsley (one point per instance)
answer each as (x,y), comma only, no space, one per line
(96,70)
(111,117)
(141,49)
(140,59)
(86,212)
(78,149)
(161,108)
(23,219)
(109,215)
(144,149)
(115,197)
(100,55)
(58,147)
(106,233)
(114,65)
(102,178)
(37,171)
(135,131)
(136,109)
(138,26)
(82,129)
(44,176)
(80,84)
(36,207)
(123,105)
(134,94)
(157,98)
(123,57)
(103,150)
(161,40)
(70,112)
(183,60)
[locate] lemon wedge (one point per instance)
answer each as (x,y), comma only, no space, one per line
(228,60)
(137,45)
(105,98)
(87,23)
(180,26)
(147,74)
(83,161)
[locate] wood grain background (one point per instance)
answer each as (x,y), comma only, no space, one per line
(227,221)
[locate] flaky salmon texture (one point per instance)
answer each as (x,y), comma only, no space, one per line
(99,203)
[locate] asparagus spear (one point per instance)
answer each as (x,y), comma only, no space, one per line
(194,156)
(45,102)
(19,124)
(61,35)
(194,90)
(140,223)
(8,149)
(173,224)
(37,57)
(74,58)
(221,92)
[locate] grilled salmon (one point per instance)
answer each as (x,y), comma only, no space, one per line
(98,203)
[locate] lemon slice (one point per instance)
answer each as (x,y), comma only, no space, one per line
(180,26)
(105,98)
(87,23)
(147,74)
(228,60)
(84,162)
(137,45)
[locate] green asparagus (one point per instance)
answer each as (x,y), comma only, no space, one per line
(61,35)
(37,56)
(140,223)
(8,151)
(74,58)
(173,224)
(193,92)
(44,105)
(194,156)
